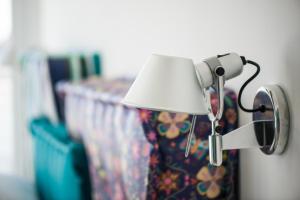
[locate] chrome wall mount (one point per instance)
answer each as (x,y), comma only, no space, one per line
(269,129)
(275,134)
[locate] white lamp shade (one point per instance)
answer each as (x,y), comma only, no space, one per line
(169,84)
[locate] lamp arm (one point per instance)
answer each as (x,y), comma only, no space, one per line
(215,139)
(220,92)
(219,87)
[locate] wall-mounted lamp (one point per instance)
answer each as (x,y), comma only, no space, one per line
(177,85)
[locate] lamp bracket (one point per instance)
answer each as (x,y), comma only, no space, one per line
(246,137)
(268,131)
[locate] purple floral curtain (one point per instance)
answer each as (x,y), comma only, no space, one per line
(139,154)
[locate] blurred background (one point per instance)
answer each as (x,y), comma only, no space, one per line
(49,47)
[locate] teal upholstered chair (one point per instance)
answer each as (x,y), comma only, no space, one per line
(61,167)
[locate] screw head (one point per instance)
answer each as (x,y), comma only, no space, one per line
(220,71)
(218,129)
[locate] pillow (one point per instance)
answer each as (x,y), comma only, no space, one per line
(58,131)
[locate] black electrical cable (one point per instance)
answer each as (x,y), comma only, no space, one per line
(261,108)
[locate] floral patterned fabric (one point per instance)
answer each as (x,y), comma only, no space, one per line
(139,154)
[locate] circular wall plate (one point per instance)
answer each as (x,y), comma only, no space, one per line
(273,134)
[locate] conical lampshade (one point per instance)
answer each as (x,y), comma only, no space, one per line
(169,84)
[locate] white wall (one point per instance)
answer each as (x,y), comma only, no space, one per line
(267,31)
